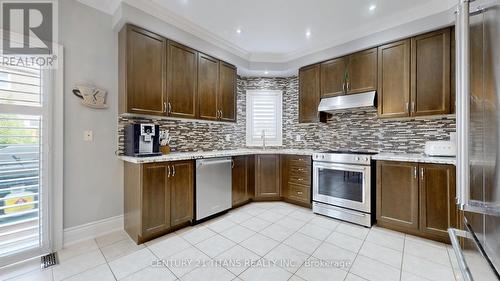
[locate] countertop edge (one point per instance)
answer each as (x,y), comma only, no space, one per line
(418,158)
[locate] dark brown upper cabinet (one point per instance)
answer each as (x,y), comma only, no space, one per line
(181,82)
(142,71)
(430,74)
(309,95)
(332,80)
(208,87)
(394,79)
(161,77)
(362,72)
(227,92)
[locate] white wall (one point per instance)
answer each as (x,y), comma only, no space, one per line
(93,176)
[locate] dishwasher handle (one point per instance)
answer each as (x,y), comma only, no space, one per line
(213,161)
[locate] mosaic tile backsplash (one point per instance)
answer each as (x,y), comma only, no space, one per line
(358,129)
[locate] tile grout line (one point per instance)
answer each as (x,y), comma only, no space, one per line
(402,258)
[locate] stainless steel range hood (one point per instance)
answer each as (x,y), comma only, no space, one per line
(332,104)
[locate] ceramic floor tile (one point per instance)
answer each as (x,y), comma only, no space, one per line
(302,243)
(265,273)
(238,217)
(284,210)
(101,273)
(374,270)
(325,222)
(277,232)
(29,266)
(186,260)
(303,215)
(382,254)
(78,264)
(352,277)
(131,263)
(386,239)
(209,273)
(344,241)
(328,252)
(168,245)
(255,224)
(295,278)
(110,238)
(406,276)
(237,259)
(197,234)
(353,230)
(77,249)
(237,233)
(36,275)
(120,249)
(270,216)
(151,273)
(425,241)
(253,211)
(315,269)
(287,257)
(259,244)
(427,269)
(215,245)
(315,231)
(220,225)
(428,251)
(291,223)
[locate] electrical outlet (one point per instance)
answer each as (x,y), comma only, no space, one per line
(228,137)
(298,138)
(88,135)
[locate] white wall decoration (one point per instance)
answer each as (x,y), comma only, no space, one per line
(91,96)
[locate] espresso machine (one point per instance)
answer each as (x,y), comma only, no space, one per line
(142,140)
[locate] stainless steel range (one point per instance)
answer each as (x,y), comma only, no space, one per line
(342,186)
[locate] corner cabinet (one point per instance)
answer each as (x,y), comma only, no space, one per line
(158,198)
(267,177)
(142,71)
(309,95)
(418,199)
(158,76)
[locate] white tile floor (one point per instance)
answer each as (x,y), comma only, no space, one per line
(260,241)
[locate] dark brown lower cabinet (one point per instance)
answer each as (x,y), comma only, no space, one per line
(158,198)
(239,181)
(417,198)
(296,179)
(267,176)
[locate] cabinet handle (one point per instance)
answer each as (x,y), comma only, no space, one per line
(232,164)
(164,107)
(169,108)
(347,84)
(300,192)
(343,87)
(422,173)
(221,114)
(415,173)
(407,108)
(412,106)
(299,179)
(173,171)
(168,171)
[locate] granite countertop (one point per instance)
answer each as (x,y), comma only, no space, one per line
(174,156)
(419,158)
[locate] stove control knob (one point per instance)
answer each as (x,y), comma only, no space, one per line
(366,159)
(322,156)
(357,158)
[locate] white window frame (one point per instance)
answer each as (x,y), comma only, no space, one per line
(250,95)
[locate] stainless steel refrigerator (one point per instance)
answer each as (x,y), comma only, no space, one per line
(477,245)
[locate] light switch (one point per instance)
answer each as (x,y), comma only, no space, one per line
(88,135)
(298,138)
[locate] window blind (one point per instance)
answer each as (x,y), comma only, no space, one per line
(264,117)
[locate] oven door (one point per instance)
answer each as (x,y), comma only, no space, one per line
(342,185)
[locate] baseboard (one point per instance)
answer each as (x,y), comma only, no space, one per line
(92,230)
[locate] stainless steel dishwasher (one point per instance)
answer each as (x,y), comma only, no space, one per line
(213,186)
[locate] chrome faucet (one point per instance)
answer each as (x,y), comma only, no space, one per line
(263,136)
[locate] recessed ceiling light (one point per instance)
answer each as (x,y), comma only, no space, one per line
(266,72)
(372,7)
(238,30)
(308,33)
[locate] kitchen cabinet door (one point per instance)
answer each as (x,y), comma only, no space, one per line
(431,67)
(155,199)
(362,72)
(394,79)
(208,87)
(397,194)
(239,180)
(181,182)
(227,92)
(438,211)
(332,77)
(309,94)
(182,80)
(142,71)
(267,176)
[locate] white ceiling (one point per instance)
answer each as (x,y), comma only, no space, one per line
(274,31)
